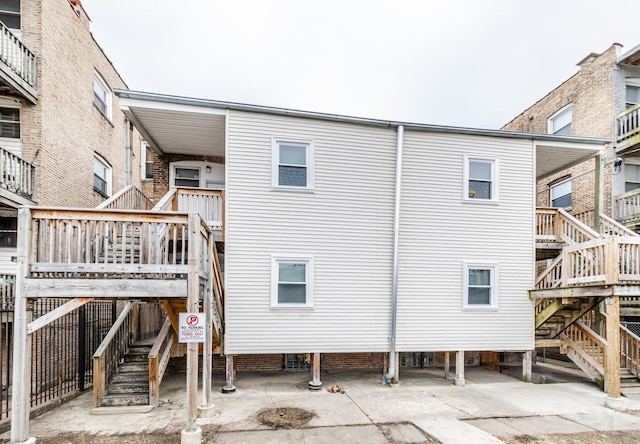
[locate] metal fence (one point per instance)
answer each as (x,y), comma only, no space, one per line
(634,327)
(61,361)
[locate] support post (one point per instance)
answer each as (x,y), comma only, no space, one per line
(395,380)
(206,410)
(21,340)
(598,192)
(315,383)
(526,365)
(447,365)
(229,374)
(459,379)
(192,433)
(612,350)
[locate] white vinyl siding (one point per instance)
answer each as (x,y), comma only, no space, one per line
(439,231)
(346,225)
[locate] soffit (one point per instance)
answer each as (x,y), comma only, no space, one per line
(180,131)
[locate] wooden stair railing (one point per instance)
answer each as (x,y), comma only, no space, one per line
(586,349)
(630,348)
(159,359)
(108,355)
(128,198)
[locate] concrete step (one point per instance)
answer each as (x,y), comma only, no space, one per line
(113,400)
(127,388)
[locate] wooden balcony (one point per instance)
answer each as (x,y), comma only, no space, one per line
(17,66)
(17,180)
(627,208)
(209,204)
(628,130)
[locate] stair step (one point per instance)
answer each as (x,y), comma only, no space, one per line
(138,376)
(128,367)
(129,388)
(124,400)
(136,358)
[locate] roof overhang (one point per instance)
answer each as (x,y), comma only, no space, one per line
(171,128)
(631,57)
(553,156)
(184,125)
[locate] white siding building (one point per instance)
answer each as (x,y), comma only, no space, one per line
(320,230)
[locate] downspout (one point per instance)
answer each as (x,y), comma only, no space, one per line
(394,276)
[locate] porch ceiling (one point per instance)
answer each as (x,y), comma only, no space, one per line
(178,129)
(553,156)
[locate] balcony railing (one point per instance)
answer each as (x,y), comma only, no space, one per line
(209,204)
(627,206)
(628,129)
(18,61)
(17,175)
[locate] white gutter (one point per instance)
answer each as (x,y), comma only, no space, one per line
(394,276)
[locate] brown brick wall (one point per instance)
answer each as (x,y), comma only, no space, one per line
(161,170)
(65,128)
(590,92)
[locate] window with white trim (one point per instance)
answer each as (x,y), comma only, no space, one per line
(560,122)
(480,285)
(291,281)
(102,95)
(632,95)
(146,161)
(10,122)
(631,177)
(10,13)
(292,164)
(560,194)
(480,179)
(101,176)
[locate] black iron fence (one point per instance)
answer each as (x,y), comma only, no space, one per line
(61,352)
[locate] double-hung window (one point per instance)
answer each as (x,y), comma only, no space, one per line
(291,281)
(10,13)
(480,179)
(631,177)
(560,194)
(480,285)
(560,122)
(292,164)
(101,176)
(102,95)
(632,93)
(10,122)
(146,161)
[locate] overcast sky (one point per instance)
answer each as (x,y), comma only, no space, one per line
(472,63)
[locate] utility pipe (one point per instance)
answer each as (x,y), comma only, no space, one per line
(394,275)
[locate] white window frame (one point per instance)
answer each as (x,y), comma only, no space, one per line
(633,82)
(495,279)
(102,93)
(275,163)
(14,14)
(144,161)
(277,259)
(557,184)
(556,116)
(109,174)
(495,185)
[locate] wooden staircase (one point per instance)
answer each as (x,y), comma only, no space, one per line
(132,380)
(130,385)
(573,296)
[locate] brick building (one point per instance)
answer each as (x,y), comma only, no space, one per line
(595,102)
(63,138)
